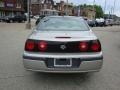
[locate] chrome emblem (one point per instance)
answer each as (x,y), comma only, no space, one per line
(63,47)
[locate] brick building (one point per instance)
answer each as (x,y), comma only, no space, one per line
(88,12)
(38,5)
(64,7)
(11,7)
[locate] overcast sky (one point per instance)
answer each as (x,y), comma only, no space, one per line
(109,4)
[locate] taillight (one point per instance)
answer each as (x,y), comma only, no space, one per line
(30,45)
(90,46)
(95,46)
(83,46)
(42,46)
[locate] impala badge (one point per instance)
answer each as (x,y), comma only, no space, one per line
(63,47)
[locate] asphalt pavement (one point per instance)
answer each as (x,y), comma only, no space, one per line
(13,76)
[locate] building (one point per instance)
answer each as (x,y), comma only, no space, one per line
(38,5)
(60,7)
(66,8)
(88,12)
(11,7)
(25,6)
(35,8)
(85,11)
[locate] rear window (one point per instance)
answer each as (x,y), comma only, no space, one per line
(62,23)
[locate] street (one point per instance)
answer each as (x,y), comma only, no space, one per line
(13,76)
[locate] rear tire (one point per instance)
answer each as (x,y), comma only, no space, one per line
(11,21)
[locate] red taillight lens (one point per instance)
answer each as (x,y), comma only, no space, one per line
(42,46)
(30,45)
(83,46)
(95,46)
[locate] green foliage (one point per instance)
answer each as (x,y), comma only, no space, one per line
(99,11)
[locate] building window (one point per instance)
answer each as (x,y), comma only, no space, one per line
(2,4)
(49,2)
(18,4)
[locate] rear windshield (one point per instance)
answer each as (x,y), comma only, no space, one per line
(62,23)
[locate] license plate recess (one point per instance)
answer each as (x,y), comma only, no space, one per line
(63,62)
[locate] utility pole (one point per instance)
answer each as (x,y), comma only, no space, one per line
(79,10)
(29,11)
(39,6)
(94,8)
(111,13)
(67,8)
(28,25)
(114,9)
(105,8)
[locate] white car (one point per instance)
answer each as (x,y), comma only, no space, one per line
(62,44)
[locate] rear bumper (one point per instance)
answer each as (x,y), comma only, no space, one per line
(90,63)
(40,66)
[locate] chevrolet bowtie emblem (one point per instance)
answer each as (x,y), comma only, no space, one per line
(63,47)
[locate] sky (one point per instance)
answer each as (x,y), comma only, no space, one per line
(109,4)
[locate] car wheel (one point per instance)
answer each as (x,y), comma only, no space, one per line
(8,21)
(11,21)
(19,21)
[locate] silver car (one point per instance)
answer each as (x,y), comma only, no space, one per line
(62,44)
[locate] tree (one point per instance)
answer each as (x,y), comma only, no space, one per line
(99,11)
